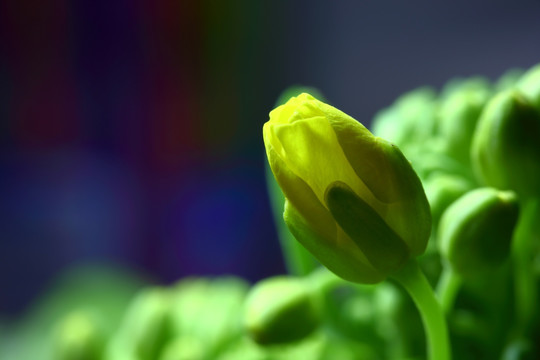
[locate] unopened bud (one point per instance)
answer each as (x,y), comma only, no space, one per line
(475,232)
(281,310)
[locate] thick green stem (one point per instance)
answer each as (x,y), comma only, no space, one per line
(448,288)
(416,284)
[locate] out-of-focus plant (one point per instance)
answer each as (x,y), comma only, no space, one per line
(78,314)
(447,185)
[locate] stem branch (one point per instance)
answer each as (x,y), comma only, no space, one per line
(416,284)
(448,288)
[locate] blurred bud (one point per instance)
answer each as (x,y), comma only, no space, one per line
(146,325)
(209,310)
(353,199)
(281,310)
(505,152)
(442,189)
(183,348)
(458,117)
(529,85)
(78,338)
(477,84)
(410,120)
(508,79)
(429,158)
(243,349)
(475,232)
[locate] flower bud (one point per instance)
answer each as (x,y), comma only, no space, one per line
(353,199)
(146,326)
(78,337)
(508,79)
(478,84)
(459,115)
(281,310)
(505,152)
(443,189)
(183,348)
(195,319)
(410,120)
(209,310)
(529,85)
(475,232)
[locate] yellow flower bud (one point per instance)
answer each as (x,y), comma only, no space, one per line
(353,199)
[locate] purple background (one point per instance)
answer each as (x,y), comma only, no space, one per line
(131,130)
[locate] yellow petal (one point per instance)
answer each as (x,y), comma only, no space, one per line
(391,179)
(298,192)
(311,150)
(345,259)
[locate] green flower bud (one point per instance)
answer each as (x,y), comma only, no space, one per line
(478,84)
(443,189)
(281,310)
(243,349)
(146,326)
(209,310)
(353,199)
(184,348)
(475,232)
(529,85)
(458,117)
(508,79)
(505,152)
(429,158)
(78,337)
(411,119)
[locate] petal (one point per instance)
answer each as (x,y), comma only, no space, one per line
(390,177)
(367,155)
(311,150)
(284,113)
(298,192)
(345,260)
(384,249)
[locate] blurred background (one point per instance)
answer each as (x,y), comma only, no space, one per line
(131,130)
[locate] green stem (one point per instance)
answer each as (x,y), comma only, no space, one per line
(416,284)
(448,288)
